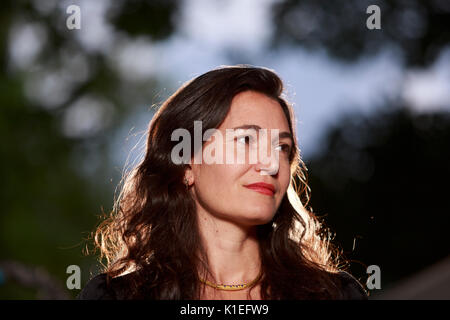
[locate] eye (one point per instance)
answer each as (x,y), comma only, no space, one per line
(245,139)
(285,148)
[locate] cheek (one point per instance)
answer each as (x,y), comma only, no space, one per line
(284,176)
(218,189)
(217,181)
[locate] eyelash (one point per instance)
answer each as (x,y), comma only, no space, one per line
(247,136)
(285,147)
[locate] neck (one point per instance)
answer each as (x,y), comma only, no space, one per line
(232,251)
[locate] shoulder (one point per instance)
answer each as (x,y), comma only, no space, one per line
(351,287)
(102,287)
(97,289)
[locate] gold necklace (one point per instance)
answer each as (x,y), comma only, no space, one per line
(231,287)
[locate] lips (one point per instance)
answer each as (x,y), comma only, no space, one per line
(261,187)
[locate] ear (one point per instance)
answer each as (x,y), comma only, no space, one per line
(189,174)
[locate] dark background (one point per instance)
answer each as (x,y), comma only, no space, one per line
(380,180)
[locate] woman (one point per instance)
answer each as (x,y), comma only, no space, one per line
(183,228)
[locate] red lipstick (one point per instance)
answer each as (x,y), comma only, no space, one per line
(261,187)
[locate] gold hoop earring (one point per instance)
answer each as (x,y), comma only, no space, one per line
(186,182)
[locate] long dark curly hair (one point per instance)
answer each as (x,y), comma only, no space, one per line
(151,236)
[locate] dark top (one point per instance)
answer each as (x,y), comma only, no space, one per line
(98,289)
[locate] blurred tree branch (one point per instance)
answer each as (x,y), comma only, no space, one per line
(419,29)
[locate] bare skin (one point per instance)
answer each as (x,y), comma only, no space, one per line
(228,212)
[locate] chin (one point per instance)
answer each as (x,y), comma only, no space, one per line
(258,217)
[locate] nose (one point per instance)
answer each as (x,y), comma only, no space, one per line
(267,170)
(267,164)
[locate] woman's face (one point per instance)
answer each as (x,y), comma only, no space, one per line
(222,189)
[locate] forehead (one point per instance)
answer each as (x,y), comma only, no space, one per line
(250,107)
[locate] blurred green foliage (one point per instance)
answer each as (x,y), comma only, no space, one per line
(51,202)
(417,29)
(381,185)
(54,185)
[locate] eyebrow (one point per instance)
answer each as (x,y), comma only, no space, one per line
(283,134)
